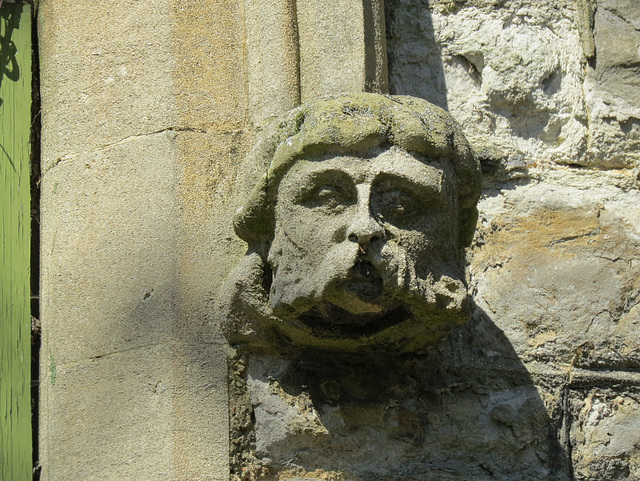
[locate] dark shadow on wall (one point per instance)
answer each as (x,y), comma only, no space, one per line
(414,55)
(470,411)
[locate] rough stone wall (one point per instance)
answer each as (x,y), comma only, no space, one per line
(542,383)
(548,93)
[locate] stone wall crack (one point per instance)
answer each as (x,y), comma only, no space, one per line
(132,138)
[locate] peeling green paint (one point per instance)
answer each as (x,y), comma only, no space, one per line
(15,210)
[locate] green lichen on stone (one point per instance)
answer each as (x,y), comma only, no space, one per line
(382,268)
(356,123)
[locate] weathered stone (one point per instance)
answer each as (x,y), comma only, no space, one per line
(208,248)
(604,434)
(85,437)
(319,417)
(613,86)
(558,270)
(359,244)
(111,294)
(149,111)
(208,79)
(342,47)
(273,58)
(511,75)
(133,169)
(84,76)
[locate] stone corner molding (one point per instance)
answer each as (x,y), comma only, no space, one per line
(356,230)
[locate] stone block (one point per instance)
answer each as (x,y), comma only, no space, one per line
(511,75)
(273,58)
(208,79)
(604,435)
(558,272)
(388,421)
(110,250)
(613,86)
(97,92)
(126,414)
(102,418)
(210,192)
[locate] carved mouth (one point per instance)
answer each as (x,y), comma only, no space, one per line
(364,281)
(327,320)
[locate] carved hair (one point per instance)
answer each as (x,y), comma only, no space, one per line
(357,123)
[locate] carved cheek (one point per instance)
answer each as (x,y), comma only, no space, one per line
(413,242)
(313,229)
(328,226)
(430,239)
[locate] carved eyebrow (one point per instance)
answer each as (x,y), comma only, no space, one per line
(414,185)
(309,181)
(320,175)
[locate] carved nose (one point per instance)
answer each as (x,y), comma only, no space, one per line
(365,229)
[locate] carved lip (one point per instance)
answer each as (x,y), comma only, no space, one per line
(331,321)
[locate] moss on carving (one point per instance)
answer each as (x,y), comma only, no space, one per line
(356,229)
(357,123)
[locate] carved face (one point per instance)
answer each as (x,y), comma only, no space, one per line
(365,241)
(356,250)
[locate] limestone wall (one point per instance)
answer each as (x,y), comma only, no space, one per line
(143,111)
(548,93)
(148,112)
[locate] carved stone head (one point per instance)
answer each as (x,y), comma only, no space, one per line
(357,228)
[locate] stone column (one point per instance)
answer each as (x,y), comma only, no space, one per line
(273,57)
(299,50)
(143,112)
(342,47)
(148,110)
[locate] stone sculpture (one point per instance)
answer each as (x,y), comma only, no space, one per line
(357,229)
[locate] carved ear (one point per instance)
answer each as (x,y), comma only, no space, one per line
(242,302)
(254,221)
(468,220)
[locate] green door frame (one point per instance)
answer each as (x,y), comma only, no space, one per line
(15,210)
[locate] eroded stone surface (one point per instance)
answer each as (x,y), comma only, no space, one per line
(613,85)
(324,417)
(516,75)
(358,227)
(512,75)
(605,434)
(556,265)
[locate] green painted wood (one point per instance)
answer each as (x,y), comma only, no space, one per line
(15,207)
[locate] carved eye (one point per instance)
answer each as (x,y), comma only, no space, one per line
(403,203)
(329,196)
(397,206)
(331,190)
